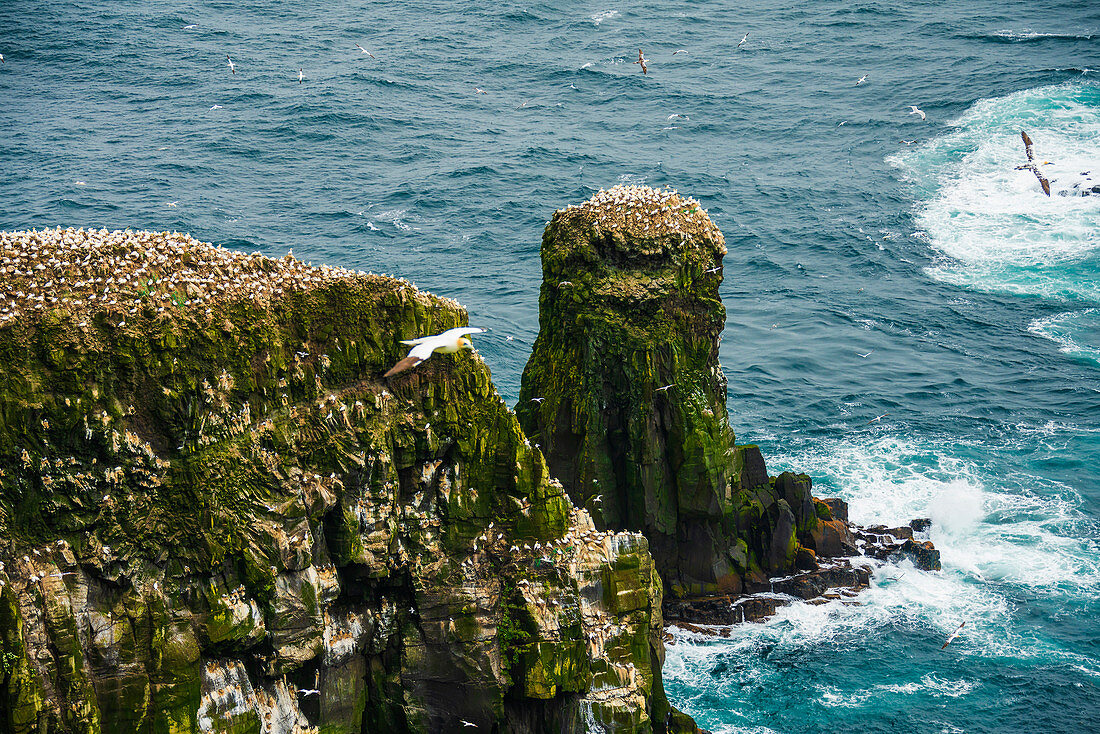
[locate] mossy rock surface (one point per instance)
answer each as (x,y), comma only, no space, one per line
(210,508)
(625,394)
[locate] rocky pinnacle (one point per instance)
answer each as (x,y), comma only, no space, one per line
(625,395)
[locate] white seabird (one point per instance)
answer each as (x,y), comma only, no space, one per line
(232,66)
(301,76)
(914,111)
(1030,165)
(368,53)
(954,634)
(449,342)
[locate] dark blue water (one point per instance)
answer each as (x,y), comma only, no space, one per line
(854,229)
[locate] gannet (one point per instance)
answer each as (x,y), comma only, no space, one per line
(450,341)
(1030,165)
(301,76)
(368,53)
(861,80)
(232,66)
(642,61)
(953,636)
(914,111)
(742,41)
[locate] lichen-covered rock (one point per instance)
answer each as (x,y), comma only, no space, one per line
(624,393)
(216,516)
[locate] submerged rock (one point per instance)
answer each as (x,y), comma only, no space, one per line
(216,516)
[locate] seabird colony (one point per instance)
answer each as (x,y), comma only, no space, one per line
(646,212)
(142,274)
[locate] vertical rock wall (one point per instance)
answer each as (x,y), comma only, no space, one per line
(215,517)
(624,393)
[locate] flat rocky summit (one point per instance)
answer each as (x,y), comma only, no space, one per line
(643,212)
(126,274)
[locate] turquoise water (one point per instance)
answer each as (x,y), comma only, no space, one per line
(853,227)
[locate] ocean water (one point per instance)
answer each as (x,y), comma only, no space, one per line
(879,264)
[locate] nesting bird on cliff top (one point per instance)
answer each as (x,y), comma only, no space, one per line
(449,342)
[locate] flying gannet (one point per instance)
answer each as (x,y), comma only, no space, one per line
(301,76)
(742,41)
(642,60)
(1030,165)
(914,111)
(368,53)
(232,66)
(953,636)
(449,342)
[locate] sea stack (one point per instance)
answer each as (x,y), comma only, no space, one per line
(626,397)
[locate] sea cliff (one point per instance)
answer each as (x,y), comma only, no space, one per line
(216,516)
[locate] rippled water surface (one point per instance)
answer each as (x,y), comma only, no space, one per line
(879,264)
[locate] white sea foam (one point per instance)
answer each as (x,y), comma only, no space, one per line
(1030,35)
(1072,331)
(603,15)
(394,217)
(999,533)
(991,222)
(1016,528)
(929,684)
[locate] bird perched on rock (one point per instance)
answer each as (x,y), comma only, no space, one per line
(450,341)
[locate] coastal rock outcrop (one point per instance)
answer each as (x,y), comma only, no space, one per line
(216,516)
(625,396)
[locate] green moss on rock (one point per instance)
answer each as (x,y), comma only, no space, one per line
(625,395)
(222,503)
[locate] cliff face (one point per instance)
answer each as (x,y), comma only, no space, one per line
(624,393)
(215,516)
